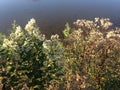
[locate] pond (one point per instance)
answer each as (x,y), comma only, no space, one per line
(51,15)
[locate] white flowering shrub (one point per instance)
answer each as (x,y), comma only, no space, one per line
(29,59)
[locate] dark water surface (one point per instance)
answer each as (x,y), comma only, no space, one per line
(51,15)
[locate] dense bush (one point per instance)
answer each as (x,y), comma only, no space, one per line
(30,59)
(93,46)
(87,57)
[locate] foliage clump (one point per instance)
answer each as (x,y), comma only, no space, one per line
(93,48)
(88,57)
(30,59)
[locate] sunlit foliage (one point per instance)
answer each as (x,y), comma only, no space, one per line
(88,57)
(30,59)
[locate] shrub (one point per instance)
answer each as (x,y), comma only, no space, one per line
(93,49)
(30,59)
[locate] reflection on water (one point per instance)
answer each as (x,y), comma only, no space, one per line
(51,15)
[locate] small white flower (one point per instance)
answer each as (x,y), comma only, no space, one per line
(5,43)
(18,31)
(47,44)
(30,26)
(12,36)
(96,19)
(17,34)
(10,44)
(102,22)
(110,34)
(56,36)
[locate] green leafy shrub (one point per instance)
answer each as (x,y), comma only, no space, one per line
(30,59)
